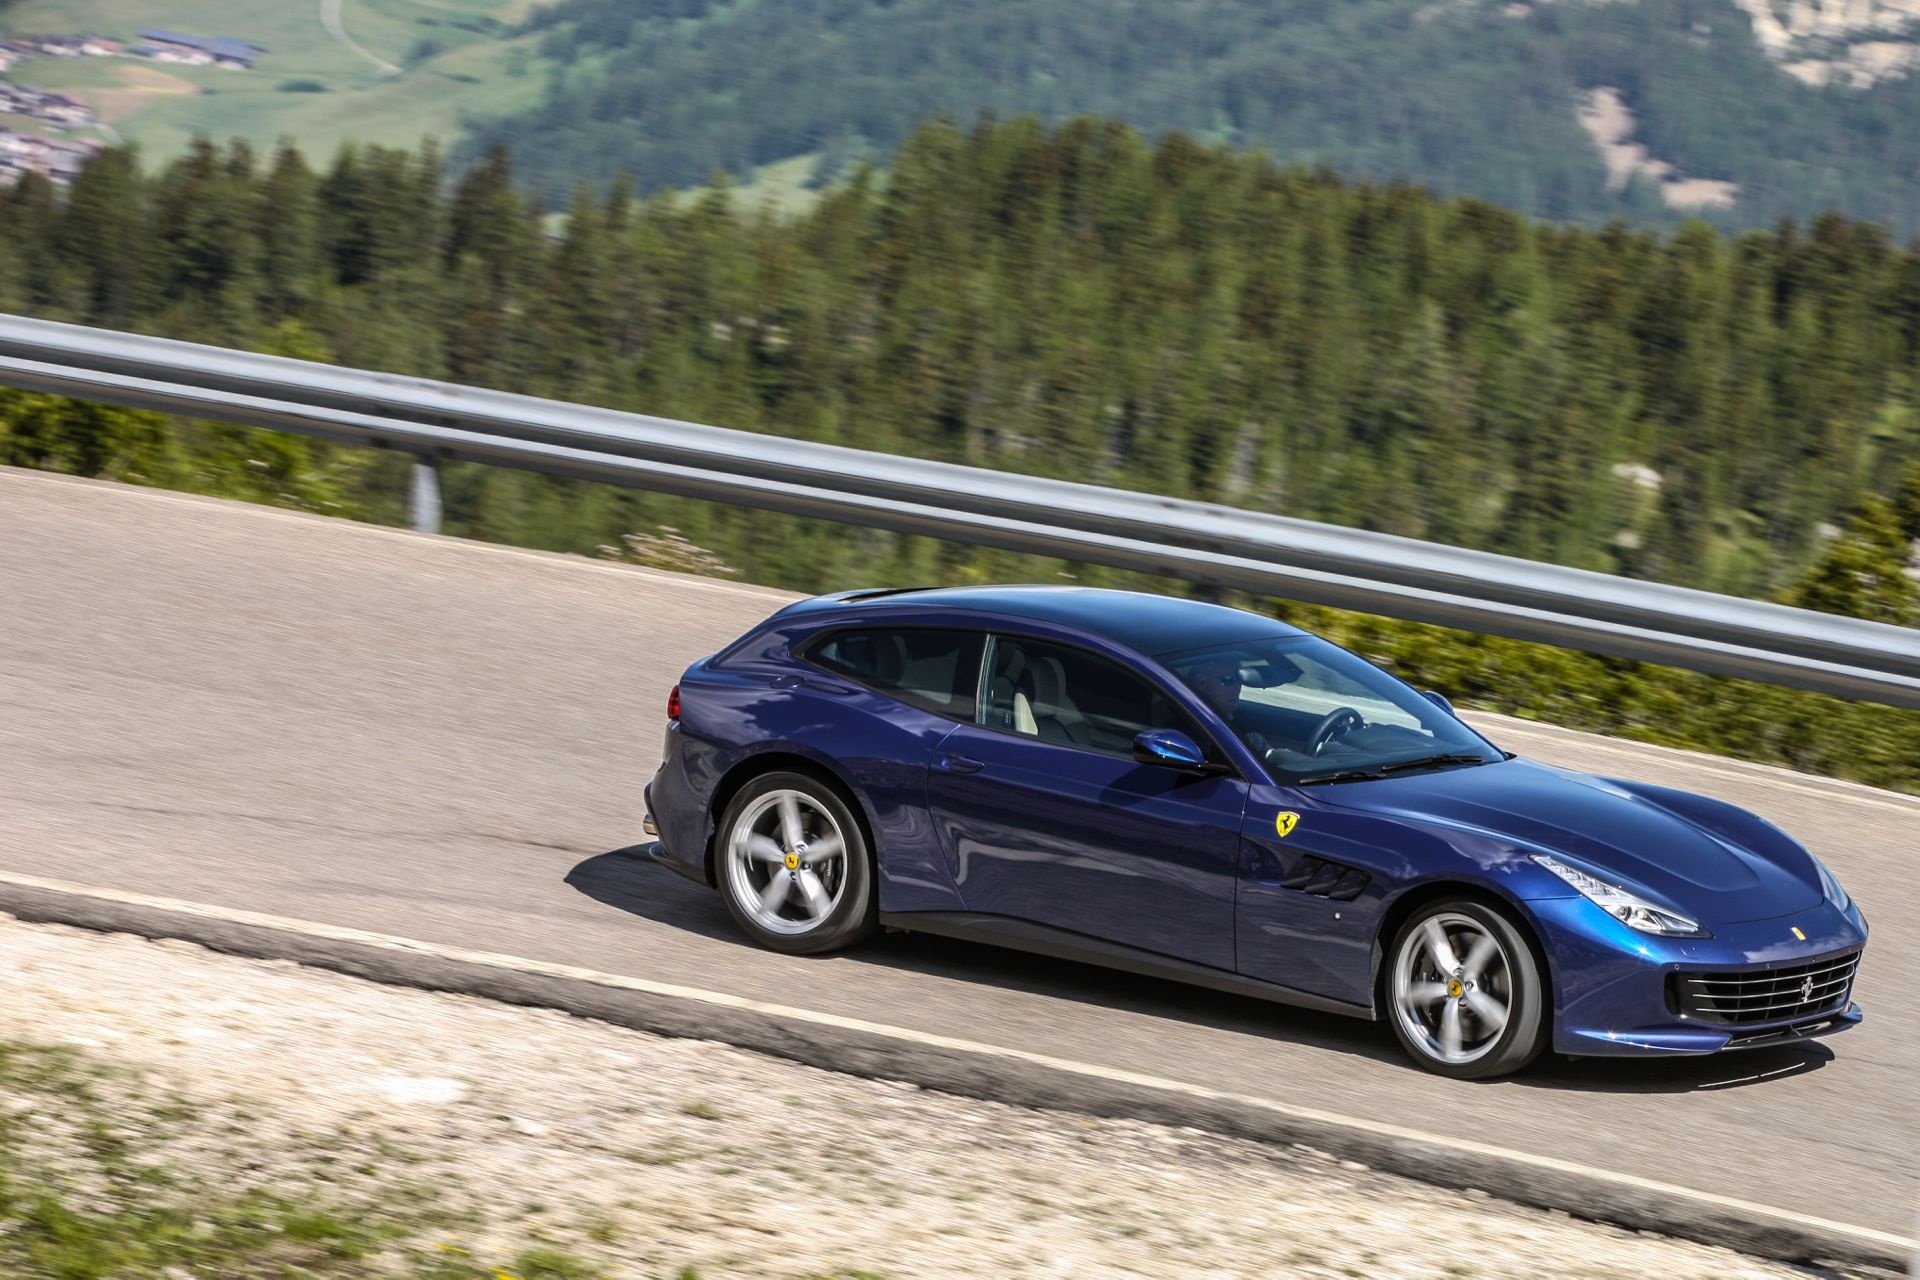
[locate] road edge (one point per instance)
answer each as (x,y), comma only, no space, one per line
(868,1050)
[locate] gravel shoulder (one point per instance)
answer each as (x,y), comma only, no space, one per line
(426,1133)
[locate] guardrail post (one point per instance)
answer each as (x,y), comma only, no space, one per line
(423,504)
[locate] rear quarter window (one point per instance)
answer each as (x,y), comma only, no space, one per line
(934,670)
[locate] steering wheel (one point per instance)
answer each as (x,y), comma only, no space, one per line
(1340,720)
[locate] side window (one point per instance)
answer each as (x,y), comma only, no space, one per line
(936,671)
(1061,694)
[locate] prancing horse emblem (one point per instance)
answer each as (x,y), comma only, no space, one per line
(1806,988)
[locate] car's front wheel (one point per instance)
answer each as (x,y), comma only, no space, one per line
(794,867)
(1464,991)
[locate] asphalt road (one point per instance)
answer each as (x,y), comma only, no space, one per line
(446,741)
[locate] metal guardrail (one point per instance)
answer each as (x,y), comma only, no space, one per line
(1198,541)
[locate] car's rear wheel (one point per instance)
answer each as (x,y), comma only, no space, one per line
(1464,992)
(794,866)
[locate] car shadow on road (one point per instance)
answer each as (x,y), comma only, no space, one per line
(631,881)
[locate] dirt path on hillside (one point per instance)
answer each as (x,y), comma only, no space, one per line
(331,19)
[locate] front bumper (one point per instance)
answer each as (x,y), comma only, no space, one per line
(1612,995)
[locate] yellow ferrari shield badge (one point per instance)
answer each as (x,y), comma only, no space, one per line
(1285,823)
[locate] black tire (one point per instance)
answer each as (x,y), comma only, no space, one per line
(1420,1019)
(746,872)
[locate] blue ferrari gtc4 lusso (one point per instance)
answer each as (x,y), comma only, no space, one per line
(1204,794)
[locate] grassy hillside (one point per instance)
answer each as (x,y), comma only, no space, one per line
(1476,97)
(456,57)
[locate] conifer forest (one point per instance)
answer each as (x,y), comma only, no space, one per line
(1732,411)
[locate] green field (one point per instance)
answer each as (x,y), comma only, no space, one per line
(472,68)
(780,186)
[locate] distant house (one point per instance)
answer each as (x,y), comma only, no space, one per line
(174,54)
(13,161)
(64,160)
(55,108)
(26,153)
(61,109)
(101,47)
(224,51)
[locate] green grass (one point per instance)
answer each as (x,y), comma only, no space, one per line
(779,186)
(90,1195)
(475,70)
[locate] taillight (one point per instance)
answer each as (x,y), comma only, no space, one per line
(673,704)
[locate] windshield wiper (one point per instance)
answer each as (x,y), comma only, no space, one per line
(1445,757)
(1382,770)
(1344,775)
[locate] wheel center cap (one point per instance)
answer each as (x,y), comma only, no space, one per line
(793,862)
(1455,989)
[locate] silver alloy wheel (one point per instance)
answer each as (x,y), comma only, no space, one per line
(787,862)
(1453,988)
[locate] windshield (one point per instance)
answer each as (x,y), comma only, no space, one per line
(1312,712)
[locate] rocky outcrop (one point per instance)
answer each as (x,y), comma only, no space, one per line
(1854,42)
(1780,25)
(1608,120)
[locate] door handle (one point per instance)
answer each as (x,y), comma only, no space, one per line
(803,682)
(961,764)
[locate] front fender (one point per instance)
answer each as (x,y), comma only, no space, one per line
(1533,913)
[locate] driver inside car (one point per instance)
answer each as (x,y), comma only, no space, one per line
(1218,679)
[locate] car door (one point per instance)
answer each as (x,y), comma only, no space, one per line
(1045,816)
(1316,873)
(908,686)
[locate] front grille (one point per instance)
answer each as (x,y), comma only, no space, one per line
(1737,998)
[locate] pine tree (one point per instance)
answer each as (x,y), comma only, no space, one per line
(104,238)
(1863,574)
(1907,508)
(287,222)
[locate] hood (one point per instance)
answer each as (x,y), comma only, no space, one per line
(1718,864)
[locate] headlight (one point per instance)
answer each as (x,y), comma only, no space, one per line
(1630,909)
(1830,886)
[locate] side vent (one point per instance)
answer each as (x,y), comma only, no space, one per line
(1325,879)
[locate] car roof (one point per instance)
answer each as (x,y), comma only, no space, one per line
(1148,623)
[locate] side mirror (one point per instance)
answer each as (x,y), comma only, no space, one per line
(1168,747)
(1440,700)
